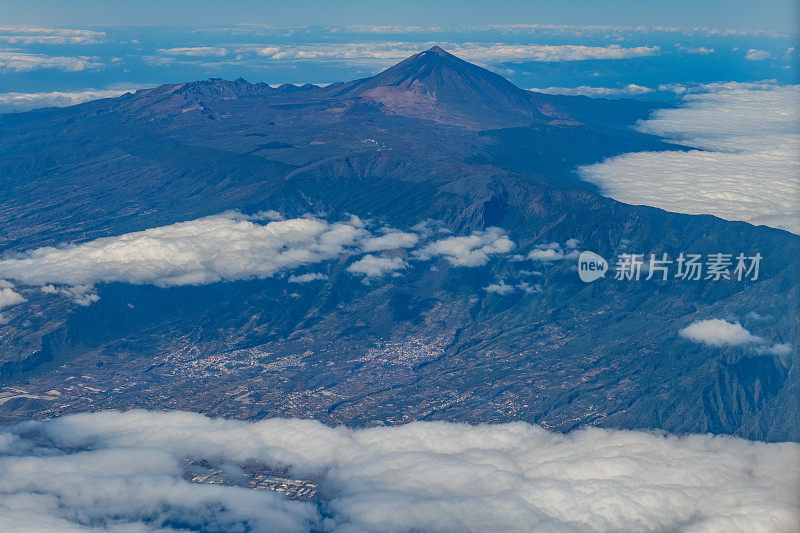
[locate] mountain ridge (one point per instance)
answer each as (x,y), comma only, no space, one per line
(431,344)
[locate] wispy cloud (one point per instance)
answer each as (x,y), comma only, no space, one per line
(40,35)
(597,92)
(26,101)
(128,471)
(757,55)
(25,62)
(482,52)
(307,278)
(196,51)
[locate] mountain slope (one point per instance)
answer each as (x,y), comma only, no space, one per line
(430,344)
(438,86)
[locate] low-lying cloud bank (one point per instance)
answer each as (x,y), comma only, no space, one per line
(13,102)
(744,166)
(112,471)
(392,51)
(232,246)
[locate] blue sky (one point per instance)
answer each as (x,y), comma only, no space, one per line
(609,49)
(778,15)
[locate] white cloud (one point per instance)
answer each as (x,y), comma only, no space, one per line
(499,288)
(527,288)
(196,51)
(502,288)
(116,471)
(9,297)
(608,31)
(39,35)
(206,250)
(307,278)
(497,52)
(744,167)
(230,247)
(373,267)
(472,250)
(597,92)
(24,62)
(390,240)
(553,251)
(476,52)
(776,349)
(718,332)
(700,50)
(716,87)
(757,55)
(25,101)
(83,295)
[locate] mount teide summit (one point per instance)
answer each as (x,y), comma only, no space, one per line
(439,86)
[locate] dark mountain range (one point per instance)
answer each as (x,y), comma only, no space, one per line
(432,138)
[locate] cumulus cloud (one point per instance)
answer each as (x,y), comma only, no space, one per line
(390,240)
(376,266)
(25,101)
(718,332)
(206,250)
(472,250)
(502,288)
(125,471)
(554,252)
(597,92)
(9,297)
(757,55)
(499,288)
(83,295)
(744,165)
(307,278)
(232,246)
(24,62)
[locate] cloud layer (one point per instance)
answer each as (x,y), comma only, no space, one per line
(24,101)
(744,166)
(232,246)
(125,472)
(394,51)
(597,92)
(40,35)
(24,62)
